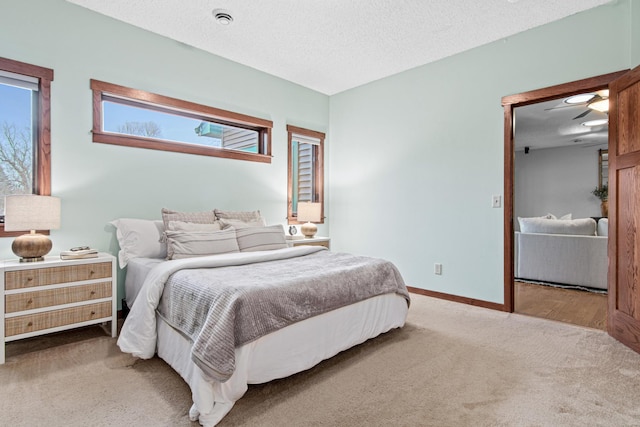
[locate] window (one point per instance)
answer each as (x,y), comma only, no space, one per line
(306,170)
(135,118)
(25,134)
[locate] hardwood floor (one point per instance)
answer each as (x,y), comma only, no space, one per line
(564,305)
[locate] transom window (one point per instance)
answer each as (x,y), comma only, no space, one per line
(306,170)
(124,116)
(25,137)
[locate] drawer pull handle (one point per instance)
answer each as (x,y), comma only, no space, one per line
(92,272)
(93,313)
(29,279)
(93,292)
(30,324)
(30,301)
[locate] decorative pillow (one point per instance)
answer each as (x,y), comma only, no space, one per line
(582,226)
(237,224)
(207,217)
(552,216)
(244,216)
(139,238)
(189,244)
(193,226)
(252,239)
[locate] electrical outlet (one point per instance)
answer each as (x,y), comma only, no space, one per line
(496,201)
(437,268)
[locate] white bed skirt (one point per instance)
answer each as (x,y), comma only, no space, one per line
(282,353)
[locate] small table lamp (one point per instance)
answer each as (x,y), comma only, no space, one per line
(31,213)
(309,212)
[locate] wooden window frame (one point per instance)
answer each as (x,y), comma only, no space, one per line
(319,171)
(42,151)
(103,90)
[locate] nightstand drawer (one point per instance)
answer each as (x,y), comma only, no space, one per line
(325,244)
(21,279)
(314,241)
(52,297)
(51,319)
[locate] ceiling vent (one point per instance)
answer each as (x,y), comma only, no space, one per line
(223,17)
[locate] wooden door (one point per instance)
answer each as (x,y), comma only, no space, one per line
(624,209)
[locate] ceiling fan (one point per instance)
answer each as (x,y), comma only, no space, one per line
(593,101)
(598,103)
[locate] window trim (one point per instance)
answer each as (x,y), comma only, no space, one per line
(103,90)
(42,167)
(319,171)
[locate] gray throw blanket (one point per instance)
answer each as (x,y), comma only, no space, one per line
(222,308)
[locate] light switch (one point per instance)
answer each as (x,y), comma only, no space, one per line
(496,201)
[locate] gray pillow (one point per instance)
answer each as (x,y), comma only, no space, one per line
(206,217)
(188,244)
(582,226)
(237,224)
(244,216)
(252,239)
(193,226)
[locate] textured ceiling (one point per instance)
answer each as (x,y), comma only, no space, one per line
(334,45)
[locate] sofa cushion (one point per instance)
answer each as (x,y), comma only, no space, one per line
(603,227)
(582,226)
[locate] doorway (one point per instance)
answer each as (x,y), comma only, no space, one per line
(510,103)
(558,143)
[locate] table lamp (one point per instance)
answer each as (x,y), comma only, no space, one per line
(309,212)
(31,213)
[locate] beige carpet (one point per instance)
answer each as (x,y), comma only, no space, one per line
(452,365)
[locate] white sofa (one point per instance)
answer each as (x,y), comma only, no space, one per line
(568,252)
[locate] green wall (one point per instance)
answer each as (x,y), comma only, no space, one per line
(98,182)
(412,160)
(415,158)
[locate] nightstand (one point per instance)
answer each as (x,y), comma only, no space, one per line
(314,241)
(54,295)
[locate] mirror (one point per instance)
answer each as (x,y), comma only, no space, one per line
(603,168)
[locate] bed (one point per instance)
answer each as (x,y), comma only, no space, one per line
(270,313)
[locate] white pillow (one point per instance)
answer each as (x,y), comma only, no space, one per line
(189,244)
(139,238)
(552,216)
(582,226)
(252,239)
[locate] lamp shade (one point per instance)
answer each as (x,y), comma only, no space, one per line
(31,212)
(310,212)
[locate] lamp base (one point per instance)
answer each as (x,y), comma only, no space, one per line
(31,247)
(309,230)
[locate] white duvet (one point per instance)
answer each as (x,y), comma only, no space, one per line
(259,361)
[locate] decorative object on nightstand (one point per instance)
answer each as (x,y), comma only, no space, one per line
(79,252)
(30,212)
(309,212)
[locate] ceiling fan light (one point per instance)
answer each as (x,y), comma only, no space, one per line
(592,123)
(601,105)
(579,99)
